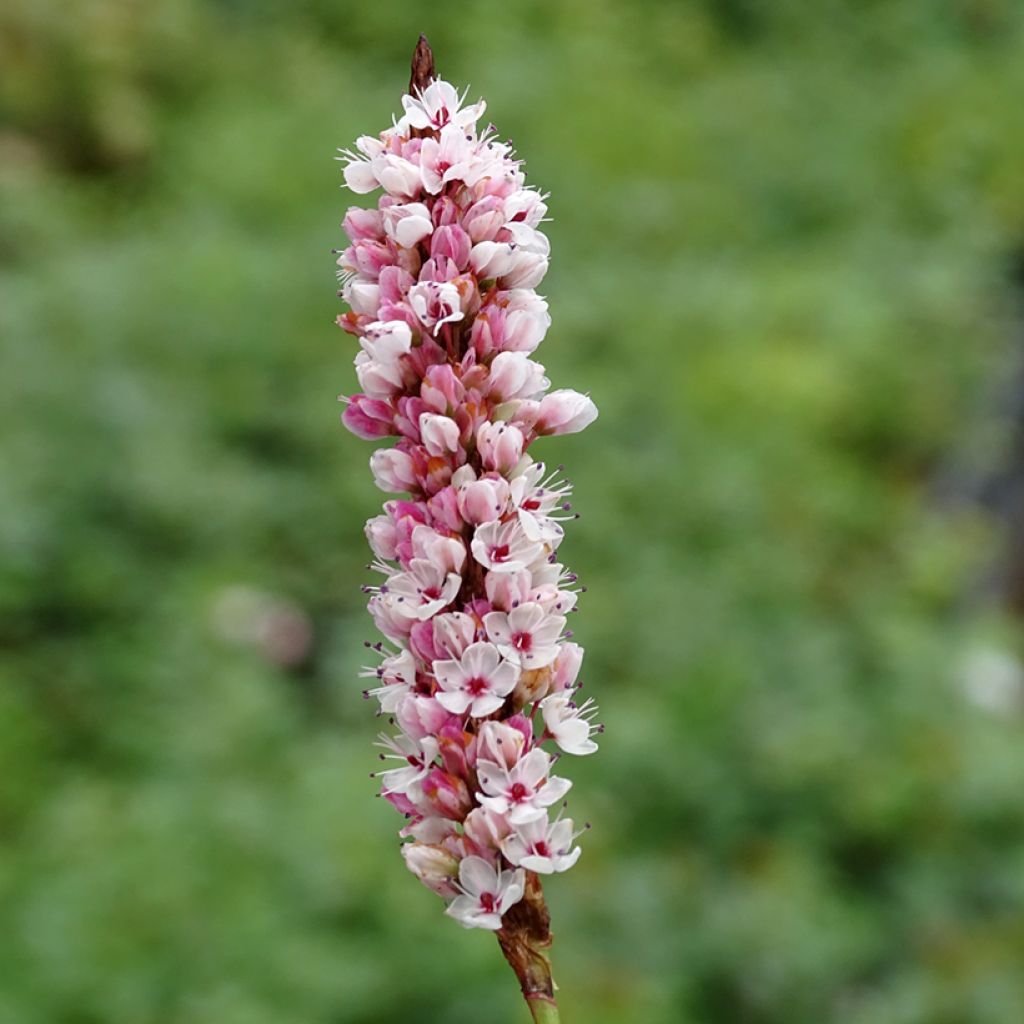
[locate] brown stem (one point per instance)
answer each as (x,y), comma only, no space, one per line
(525,939)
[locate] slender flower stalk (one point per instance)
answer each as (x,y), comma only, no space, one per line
(478,673)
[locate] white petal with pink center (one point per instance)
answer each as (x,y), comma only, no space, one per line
(440,104)
(417,755)
(504,547)
(435,304)
(524,792)
(477,683)
(570,726)
(422,591)
(487,893)
(527,636)
(542,846)
(398,675)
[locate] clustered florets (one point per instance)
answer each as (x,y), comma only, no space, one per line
(440,278)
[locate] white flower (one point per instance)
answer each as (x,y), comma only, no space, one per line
(504,547)
(398,674)
(422,591)
(570,726)
(439,104)
(435,304)
(417,755)
(542,846)
(407,223)
(478,682)
(527,635)
(522,793)
(486,894)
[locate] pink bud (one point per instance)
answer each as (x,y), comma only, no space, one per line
(485,500)
(486,829)
(363,225)
(500,446)
(508,590)
(446,795)
(565,412)
(362,296)
(484,219)
(444,508)
(440,434)
(451,243)
(369,418)
(442,391)
(453,633)
(407,223)
(380,532)
(434,867)
(515,375)
(392,470)
(566,667)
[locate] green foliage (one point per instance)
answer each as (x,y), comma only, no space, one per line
(780,236)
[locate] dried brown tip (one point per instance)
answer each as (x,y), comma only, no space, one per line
(423,72)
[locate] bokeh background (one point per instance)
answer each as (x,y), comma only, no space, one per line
(788,255)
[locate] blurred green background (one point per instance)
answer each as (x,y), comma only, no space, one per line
(785,237)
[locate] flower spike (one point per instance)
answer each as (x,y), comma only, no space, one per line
(479,673)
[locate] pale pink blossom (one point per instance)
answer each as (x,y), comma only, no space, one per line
(477,683)
(570,726)
(484,500)
(487,893)
(565,412)
(504,547)
(397,675)
(421,592)
(417,755)
(524,792)
(439,104)
(392,470)
(527,635)
(542,846)
(435,304)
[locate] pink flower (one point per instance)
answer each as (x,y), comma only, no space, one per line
(542,846)
(477,683)
(439,104)
(524,792)
(504,547)
(441,277)
(417,755)
(435,304)
(569,725)
(486,893)
(527,635)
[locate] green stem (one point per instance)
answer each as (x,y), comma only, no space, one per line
(543,1009)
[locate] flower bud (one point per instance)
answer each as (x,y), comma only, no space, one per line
(500,446)
(434,867)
